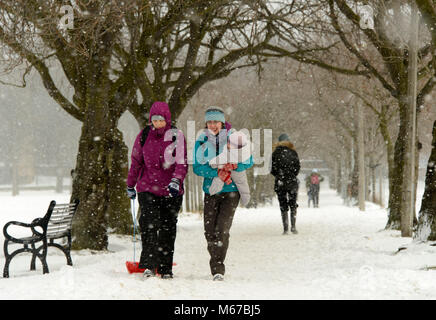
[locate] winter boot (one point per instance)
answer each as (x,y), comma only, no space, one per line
(285,221)
(167,276)
(218,277)
(293,221)
(149,273)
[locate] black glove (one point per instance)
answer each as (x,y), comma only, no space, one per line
(131,193)
(174,187)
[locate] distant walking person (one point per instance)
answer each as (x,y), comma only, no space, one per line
(158,169)
(285,166)
(312,183)
(309,192)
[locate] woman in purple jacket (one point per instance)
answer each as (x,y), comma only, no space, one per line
(158,169)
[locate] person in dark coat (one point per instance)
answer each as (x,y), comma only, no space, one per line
(285,166)
(158,172)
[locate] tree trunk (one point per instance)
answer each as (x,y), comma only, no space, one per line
(361,159)
(426,229)
(373,191)
(101,154)
(118,212)
(334,181)
(355,177)
(100,186)
(389,151)
(91,187)
(397,192)
(396,172)
(396,182)
(381,190)
(342,179)
(59,183)
(15,182)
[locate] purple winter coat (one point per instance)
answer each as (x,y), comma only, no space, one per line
(153,165)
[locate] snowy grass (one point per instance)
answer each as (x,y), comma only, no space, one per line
(339,253)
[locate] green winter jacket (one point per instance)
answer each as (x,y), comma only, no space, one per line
(205,150)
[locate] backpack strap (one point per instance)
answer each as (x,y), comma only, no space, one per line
(145,135)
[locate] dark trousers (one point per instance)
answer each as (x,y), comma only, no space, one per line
(219,211)
(314,190)
(287,201)
(158,223)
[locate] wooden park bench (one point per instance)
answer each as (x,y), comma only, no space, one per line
(56,224)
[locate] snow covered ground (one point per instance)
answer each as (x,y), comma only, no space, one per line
(339,253)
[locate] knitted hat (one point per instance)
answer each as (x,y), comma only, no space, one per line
(284,137)
(214,114)
(238,140)
(157,117)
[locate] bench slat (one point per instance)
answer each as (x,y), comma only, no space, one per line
(58,226)
(61,220)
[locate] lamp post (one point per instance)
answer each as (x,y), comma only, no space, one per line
(407,222)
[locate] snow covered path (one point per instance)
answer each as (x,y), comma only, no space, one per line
(339,253)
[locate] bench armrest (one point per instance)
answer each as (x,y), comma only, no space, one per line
(35,223)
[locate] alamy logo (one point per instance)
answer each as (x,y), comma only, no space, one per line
(366,17)
(261,151)
(67,20)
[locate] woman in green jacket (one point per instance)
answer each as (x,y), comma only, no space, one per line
(220,208)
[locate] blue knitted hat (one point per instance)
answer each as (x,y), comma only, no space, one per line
(284,137)
(214,114)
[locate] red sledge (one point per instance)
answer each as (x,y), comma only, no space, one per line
(133,267)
